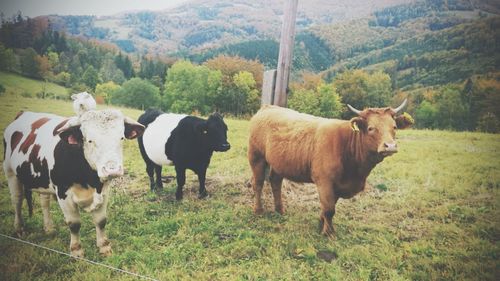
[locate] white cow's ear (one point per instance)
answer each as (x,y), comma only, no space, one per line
(69,131)
(66,124)
(133,129)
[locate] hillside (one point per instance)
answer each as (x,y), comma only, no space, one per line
(204,24)
(431,57)
(21,86)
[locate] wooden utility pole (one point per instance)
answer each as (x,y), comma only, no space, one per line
(286,51)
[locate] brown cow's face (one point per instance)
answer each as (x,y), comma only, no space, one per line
(381,132)
(378,125)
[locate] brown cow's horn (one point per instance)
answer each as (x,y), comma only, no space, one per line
(353,109)
(397,109)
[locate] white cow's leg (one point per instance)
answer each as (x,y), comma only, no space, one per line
(99,217)
(72,218)
(16,196)
(48,224)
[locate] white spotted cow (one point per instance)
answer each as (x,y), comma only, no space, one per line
(71,158)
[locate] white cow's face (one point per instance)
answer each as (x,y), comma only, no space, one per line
(102,135)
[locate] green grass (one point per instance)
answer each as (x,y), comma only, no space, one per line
(21,86)
(432,214)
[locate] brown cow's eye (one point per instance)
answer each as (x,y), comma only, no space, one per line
(395,127)
(370,129)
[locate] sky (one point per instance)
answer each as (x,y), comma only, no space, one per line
(33,8)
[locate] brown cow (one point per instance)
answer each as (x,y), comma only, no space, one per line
(336,155)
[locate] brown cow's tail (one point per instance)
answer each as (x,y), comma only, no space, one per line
(267,172)
(28,194)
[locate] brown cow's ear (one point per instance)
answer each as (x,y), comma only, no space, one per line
(358,124)
(404,121)
(133,129)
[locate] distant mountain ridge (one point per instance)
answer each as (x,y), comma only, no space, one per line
(204,24)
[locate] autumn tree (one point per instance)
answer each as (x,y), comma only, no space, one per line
(107,90)
(362,89)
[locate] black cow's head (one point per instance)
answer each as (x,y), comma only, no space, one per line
(214,133)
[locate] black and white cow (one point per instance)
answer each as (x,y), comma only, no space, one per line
(187,142)
(71,158)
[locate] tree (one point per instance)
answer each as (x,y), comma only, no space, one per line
(110,72)
(190,88)
(240,84)
(452,111)
(137,93)
(90,77)
(125,65)
(107,90)
(322,101)
(425,115)
(63,78)
(53,59)
(361,89)
(247,99)
(488,123)
(231,65)
(29,64)
(7,59)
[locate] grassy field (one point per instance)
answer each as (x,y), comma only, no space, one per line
(432,214)
(21,86)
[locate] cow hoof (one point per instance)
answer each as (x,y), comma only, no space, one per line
(280,210)
(258,211)
(77,251)
(49,229)
(20,232)
(328,233)
(105,250)
(202,195)
(178,196)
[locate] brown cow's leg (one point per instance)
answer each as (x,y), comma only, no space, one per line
(258,166)
(276,181)
(327,199)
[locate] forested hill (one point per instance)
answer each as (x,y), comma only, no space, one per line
(418,44)
(204,24)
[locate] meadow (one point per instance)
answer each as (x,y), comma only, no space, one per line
(25,87)
(432,213)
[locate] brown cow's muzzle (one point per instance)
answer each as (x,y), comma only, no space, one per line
(388,148)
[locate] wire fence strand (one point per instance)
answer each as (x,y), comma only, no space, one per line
(79,258)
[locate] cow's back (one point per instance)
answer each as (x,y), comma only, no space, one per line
(156,136)
(30,139)
(286,139)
